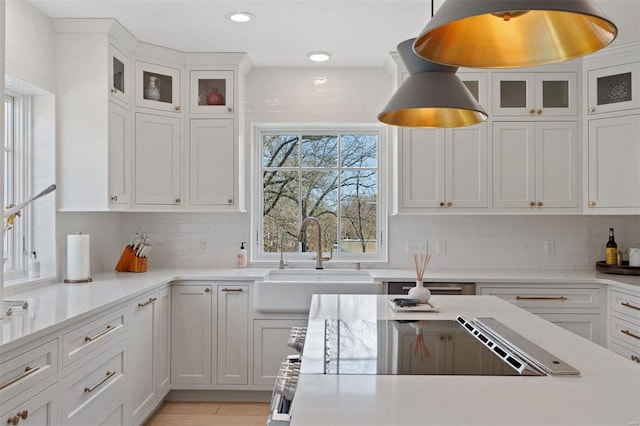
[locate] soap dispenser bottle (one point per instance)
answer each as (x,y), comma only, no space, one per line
(34,266)
(242,256)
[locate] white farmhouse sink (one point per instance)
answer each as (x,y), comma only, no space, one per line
(290,290)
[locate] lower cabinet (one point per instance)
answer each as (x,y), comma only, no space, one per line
(149,352)
(233,333)
(191,334)
(576,308)
(624,323)
(39,410)
(270,347)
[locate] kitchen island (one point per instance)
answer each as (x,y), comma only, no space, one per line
(607,391)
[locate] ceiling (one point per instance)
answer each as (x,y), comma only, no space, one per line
(358,33)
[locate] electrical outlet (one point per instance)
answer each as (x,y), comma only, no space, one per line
(417,247)
(549,247)
(203,246)
(441,247)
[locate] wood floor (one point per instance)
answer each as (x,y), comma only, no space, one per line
(210,413)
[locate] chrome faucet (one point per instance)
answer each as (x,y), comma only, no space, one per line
(303,226)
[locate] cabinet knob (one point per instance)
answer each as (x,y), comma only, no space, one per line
(114,90)
(24,414)
(592,203)
(441,204)
(207,290)
(532,111)
(114,198)
(13,420)
(229,109)
(177,107)
(532,204)
(449,204)
(230,201)
(178,200)
(539,203)
(539,111)
(592,109)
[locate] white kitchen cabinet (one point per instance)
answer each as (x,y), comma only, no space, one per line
(149,346)
(119,155)
(233,334)
(158,161)
(88,87)
(191,334)
(42,409)
(212,92)
(613,88)
(624,323)
(613,165)
(270,348)
(157,87)
(577,309)
(212,163)
(538,94)
(444,168)
(535,165)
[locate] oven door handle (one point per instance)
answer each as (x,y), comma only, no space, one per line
(449,289)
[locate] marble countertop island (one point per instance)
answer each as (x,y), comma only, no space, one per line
(607,391)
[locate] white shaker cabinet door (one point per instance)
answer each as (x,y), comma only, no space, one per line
(119,155)
(270,337)
(614,163)
(557,164)
(466,166)
(233,334)
(157,160)
(423,168)
(212,162)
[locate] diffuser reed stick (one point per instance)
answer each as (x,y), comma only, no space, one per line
(421,261)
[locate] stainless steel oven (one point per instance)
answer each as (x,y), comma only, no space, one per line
(456,289)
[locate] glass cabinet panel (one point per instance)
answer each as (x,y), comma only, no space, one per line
(614,88)
(211,92)
(513,94)
(535,94)
(118,75)
(555,94)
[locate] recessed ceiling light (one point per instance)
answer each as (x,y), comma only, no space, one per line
(319,56)
(239,16)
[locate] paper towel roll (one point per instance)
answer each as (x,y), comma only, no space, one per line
(78,257)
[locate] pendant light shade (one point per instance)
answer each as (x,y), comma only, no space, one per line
(514,33)
(432,96)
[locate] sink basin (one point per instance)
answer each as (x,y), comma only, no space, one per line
(290,290)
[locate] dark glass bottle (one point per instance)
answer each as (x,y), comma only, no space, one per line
(611,250)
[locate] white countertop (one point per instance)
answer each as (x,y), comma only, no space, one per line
(56,305)
(607,392)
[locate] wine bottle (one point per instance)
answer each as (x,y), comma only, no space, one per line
(611,250)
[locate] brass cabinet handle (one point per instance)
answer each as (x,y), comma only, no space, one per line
(539,111)
(232,289)
(532,111)
(635,358)
(114,198)
(592,109)
(148,302)
(13,420)
(24,414)
(177,107)
(230,201)
(449,204)
(441,204)
(109,375)
(114,90)
(207,290)
(541,298)
(592,203)
(102,333)
(229,109)
(532,204)
(630,334)
(539,203)
(178,200)
(27,372)
(629,305)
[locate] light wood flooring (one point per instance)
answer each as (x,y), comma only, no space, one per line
(210,413)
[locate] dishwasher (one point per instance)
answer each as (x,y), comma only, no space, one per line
(436,288)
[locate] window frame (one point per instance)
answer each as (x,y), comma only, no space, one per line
(256,244)
(16,177)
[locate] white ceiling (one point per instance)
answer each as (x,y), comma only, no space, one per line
(358,33)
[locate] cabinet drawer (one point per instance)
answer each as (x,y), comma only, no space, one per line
(625,352)
(85,339)
(625,304)
(39,410)
(625,331)
(532,297)
(95,384)
(26,370)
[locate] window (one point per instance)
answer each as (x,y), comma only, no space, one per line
(332,175)
(14,239)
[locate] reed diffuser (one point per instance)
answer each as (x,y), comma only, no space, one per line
(420,292)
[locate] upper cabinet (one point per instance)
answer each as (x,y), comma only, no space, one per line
(211,92)
(539,94)
(615,88)
(119,75)
(157,87)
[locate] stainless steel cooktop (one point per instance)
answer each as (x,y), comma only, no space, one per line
(425,347)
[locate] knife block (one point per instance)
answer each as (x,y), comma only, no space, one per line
(129,262)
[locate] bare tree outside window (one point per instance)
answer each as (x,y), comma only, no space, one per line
(332,177)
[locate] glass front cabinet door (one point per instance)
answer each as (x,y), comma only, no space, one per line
(614,88)
(211,92)
(535,94)
(118,75)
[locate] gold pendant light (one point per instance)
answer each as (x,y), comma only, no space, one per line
(432,96)
(514,33)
